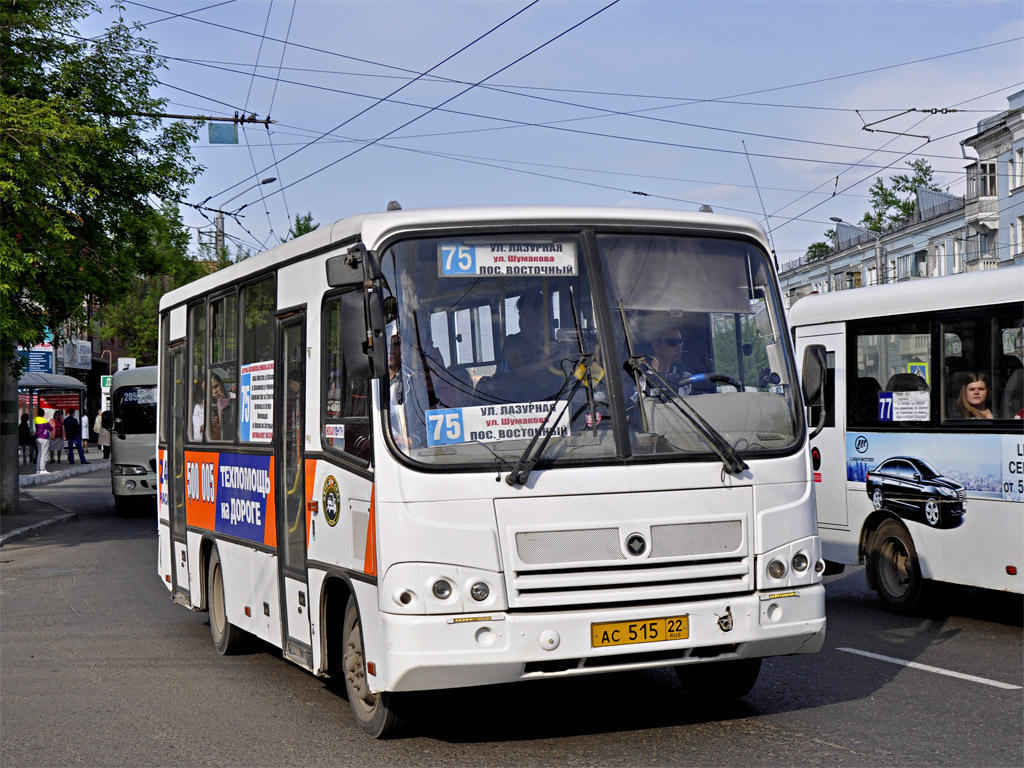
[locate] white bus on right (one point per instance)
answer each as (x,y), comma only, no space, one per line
(918,457)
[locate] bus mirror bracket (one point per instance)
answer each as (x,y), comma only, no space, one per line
(812,381)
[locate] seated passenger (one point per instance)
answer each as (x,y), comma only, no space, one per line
(973,400)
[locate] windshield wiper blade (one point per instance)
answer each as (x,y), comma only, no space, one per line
(732,461)
(521,471)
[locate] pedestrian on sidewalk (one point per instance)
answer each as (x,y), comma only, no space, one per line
(85,430)
(106,422)
(43,430)
(73,435)
(26,441)
(57,435)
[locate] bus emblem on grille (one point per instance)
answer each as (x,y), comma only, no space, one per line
(636,544)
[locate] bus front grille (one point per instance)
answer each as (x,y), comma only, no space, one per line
(569,587)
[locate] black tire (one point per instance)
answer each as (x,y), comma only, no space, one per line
(719,682)
(895,570)
(374,712)
(124,505)
(227,638)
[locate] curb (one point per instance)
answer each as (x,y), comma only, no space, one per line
(21,532)
(26,481)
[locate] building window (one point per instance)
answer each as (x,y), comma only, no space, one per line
(1018,166)
(940,260)
(987,180)
(1019,226)
(958,256)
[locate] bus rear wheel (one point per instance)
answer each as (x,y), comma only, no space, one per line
(895,568)
(227,638)
(374,712)
(719,682)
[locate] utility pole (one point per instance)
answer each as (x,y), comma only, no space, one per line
(219,227)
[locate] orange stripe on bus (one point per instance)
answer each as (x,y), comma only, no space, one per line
(370,558)
(309,479)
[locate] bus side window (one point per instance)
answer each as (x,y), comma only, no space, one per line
(890,370)
(197,371)
(346,408)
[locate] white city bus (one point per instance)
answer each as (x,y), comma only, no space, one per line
(912,477)
(445,448)
(133,438)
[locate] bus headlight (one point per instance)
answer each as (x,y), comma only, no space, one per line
(442,589)
(776,569)
(800,562)
(122,470)
(479,591)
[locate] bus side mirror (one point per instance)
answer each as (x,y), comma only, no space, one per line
(353,268)
(815,369)
(362,343)
(812,382)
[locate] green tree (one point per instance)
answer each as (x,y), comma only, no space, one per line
(893,205)
(303,224)
(79,167)
(133,319)
(821,249)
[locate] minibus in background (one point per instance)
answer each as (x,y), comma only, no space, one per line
(433,449)
(919,467)
(133,401)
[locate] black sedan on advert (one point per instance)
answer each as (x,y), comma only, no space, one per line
(914,490)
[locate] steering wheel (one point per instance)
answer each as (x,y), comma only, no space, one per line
(711,376)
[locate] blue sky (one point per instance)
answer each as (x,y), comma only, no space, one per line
(700,79)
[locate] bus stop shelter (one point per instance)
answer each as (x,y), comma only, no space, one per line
(52,391)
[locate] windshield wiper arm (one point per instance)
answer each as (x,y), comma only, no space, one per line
(732,461)
(521,471)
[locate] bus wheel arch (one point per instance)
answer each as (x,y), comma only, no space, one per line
(333,603)
(227,638)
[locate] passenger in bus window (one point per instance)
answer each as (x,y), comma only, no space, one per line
(973,400)
(222,414)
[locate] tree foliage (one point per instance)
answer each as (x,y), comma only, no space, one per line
(79,166)
(133,319)
(304,224)
(893,205)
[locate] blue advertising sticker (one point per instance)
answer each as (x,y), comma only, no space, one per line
(243,485)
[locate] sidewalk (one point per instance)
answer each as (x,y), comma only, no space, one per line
(34,513)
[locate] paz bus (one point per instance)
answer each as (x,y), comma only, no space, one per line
(433,449)
(133,395)
(919,466)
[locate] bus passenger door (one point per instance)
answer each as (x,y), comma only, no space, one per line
(175,484)
(289,432)
(828,449)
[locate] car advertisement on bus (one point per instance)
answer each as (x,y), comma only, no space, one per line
(933,481)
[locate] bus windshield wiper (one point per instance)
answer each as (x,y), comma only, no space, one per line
(521,471)
(639,364)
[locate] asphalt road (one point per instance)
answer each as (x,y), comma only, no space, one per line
(98,667)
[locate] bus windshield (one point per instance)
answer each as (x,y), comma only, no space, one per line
(653,346)
(135,410)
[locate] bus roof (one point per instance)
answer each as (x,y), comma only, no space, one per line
(373,228)
(145,375)
(997,286)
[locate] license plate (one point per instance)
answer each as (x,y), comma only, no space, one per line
(646,631)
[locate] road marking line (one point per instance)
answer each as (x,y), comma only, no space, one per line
(937,670)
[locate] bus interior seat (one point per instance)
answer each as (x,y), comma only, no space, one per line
(1005,367)
(956,382)
(906,382)
(1013,395)
(865,398)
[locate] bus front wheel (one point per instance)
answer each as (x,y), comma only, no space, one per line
(895,568)
(227,638)
(374,712)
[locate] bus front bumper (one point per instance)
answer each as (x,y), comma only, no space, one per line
(436,652)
